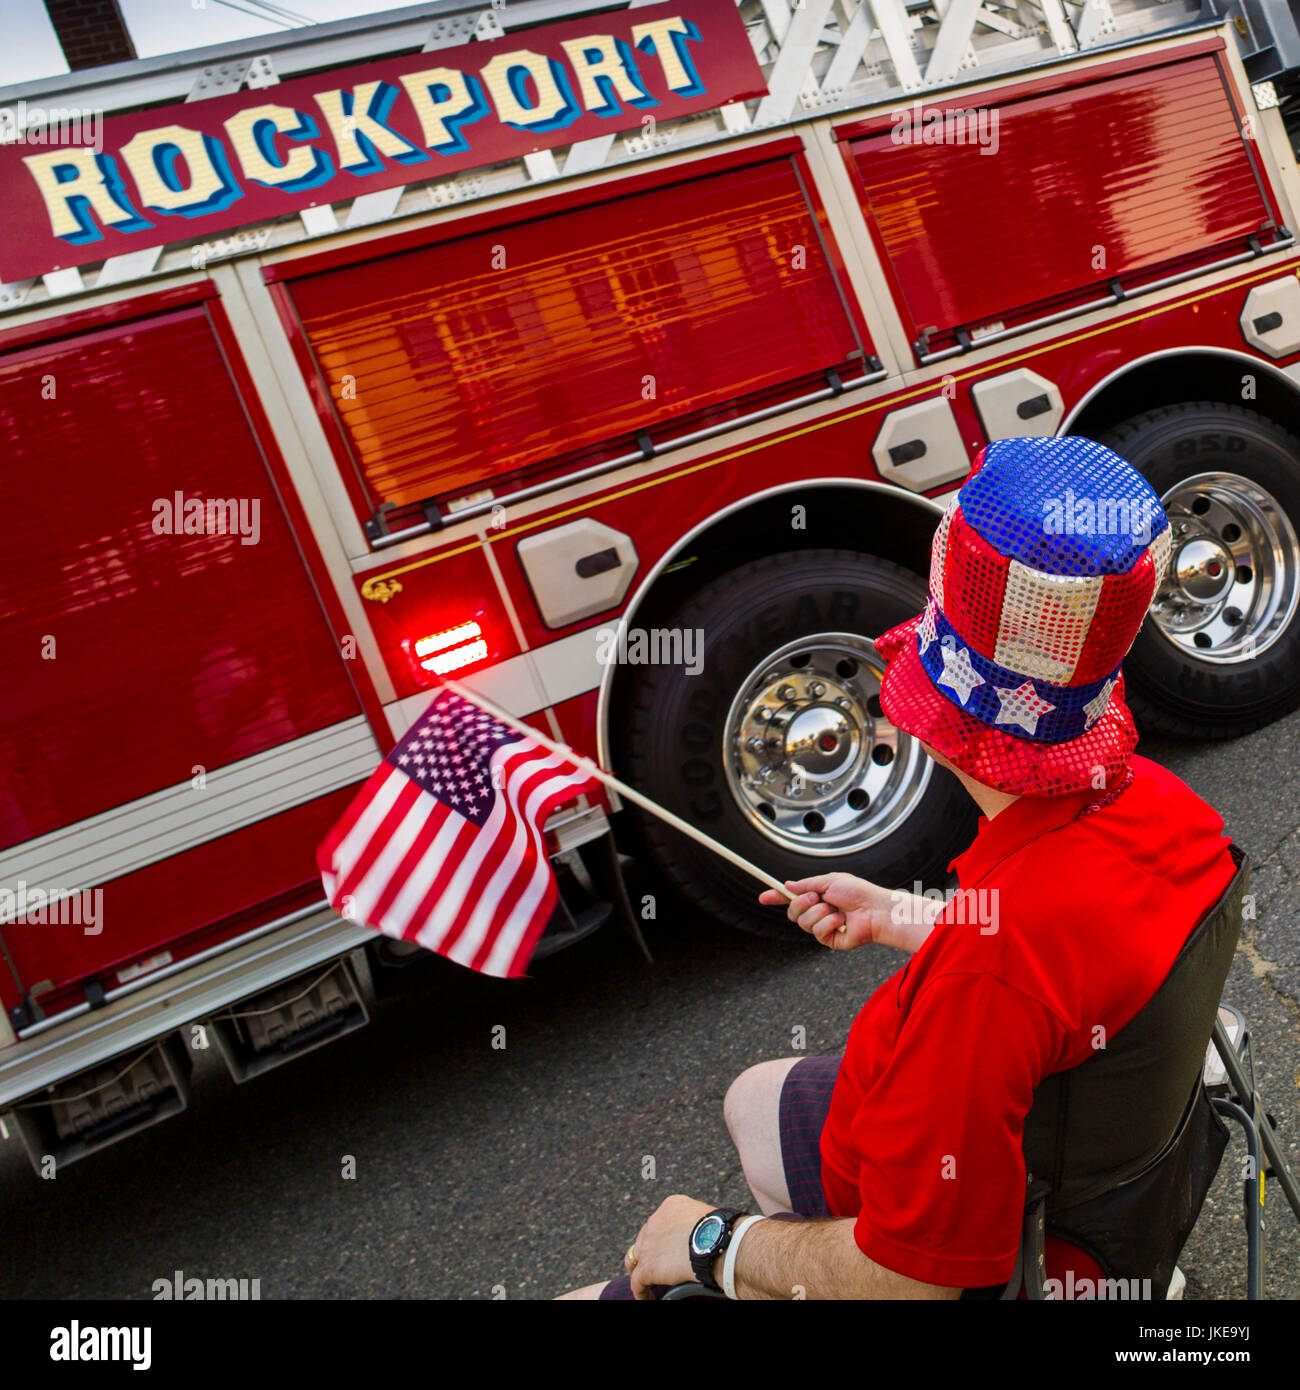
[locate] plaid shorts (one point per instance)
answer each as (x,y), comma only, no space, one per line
(805,1102)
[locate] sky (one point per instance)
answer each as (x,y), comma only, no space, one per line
(30,49)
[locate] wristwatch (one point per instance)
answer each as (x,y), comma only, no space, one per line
(709,1238)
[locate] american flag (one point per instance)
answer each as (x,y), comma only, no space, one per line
(443,845)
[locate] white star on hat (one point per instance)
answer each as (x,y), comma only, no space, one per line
(1023,706)
(1096,707)
(958,674)
(925,631)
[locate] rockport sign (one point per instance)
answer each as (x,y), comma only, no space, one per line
(178,172)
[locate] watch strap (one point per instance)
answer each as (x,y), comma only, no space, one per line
(702,1264)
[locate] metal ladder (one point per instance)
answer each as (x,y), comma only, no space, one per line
(833,53)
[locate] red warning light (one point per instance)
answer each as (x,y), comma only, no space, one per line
(441,653)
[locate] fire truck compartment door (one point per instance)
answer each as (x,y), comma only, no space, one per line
(920,446)
(541,344)
(1085,181)
(179,722)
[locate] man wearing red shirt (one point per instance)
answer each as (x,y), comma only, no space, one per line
(1088,873)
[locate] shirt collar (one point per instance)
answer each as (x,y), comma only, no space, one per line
(1023,821)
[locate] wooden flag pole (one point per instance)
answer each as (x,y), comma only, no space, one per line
(621,788)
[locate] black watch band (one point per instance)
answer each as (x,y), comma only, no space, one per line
(707,1242)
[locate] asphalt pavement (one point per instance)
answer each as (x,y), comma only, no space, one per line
(420,1157)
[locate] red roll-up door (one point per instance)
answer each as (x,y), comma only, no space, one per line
(168,676)
(455,364)
(1047,199)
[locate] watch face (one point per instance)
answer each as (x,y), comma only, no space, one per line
(707,1234)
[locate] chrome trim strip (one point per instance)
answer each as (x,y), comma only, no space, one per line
(166,972)
(162,1006)
(534,680)
(524,494)
(926,358)
(165,823)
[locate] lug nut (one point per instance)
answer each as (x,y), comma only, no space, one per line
(842,701)
(755,745)
(817,690)
(785,692)
(762,714)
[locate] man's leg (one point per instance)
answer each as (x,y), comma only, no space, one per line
(752,1110)
(590,1291)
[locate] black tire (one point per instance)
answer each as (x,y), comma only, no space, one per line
(671,735)
(1170,689)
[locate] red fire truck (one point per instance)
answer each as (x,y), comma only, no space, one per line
(619,360)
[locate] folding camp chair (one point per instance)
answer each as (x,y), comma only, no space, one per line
(1228,1085)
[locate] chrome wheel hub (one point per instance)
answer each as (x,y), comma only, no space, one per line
(1233,580)
(810,757)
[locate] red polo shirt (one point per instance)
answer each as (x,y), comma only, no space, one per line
(1074,923)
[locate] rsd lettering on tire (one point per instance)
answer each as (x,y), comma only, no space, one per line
(778,747)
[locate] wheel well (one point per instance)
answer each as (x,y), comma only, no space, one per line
(874,519)
(1175,379)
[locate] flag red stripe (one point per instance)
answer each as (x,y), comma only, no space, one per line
(520,776)
(407,794)
(537,794)
(525,851)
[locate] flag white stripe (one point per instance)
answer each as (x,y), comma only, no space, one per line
(398,919)
(506,945)
(448,907)
(485,911)
(380,873)
(354,843)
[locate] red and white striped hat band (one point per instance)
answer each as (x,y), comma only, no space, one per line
(1042,570)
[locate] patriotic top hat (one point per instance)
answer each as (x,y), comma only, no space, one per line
(1041,572)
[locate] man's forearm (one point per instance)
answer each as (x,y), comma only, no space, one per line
(912,919)
(817,1259)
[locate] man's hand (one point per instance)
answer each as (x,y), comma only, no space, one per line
(662,1246)
(828,902)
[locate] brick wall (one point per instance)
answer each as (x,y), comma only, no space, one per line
(91,32)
